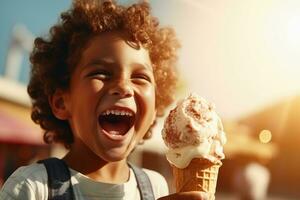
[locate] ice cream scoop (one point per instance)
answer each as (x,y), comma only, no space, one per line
(193,130)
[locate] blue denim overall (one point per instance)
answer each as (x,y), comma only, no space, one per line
(60,186)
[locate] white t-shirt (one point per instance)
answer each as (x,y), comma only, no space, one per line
(30,183)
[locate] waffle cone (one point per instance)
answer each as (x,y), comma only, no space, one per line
(199,175)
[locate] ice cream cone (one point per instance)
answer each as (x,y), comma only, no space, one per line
(199,175)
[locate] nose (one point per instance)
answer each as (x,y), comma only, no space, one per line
(121,88)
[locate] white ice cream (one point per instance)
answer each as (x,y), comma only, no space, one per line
(193,130)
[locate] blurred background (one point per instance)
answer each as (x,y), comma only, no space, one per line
(243,55)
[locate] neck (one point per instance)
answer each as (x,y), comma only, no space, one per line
(96,168)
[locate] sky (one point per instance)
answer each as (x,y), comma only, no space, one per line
(242,55)
(36,15)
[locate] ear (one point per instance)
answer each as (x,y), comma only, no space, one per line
(58,104)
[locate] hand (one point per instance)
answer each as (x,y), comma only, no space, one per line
(186,195)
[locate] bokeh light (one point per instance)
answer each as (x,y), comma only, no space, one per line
(265,136)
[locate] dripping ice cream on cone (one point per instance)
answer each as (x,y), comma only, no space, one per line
(193,133)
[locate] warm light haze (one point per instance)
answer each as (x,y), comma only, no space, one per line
(243,55)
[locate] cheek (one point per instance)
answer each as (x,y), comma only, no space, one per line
(149,106)
(84,101)
(89,92)
(96,85)
(149,96)
(145,100)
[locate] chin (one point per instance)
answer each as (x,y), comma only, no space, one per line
(115,155)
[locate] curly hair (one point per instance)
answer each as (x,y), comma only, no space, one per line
(53,57)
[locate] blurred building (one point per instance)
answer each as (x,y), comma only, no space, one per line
(21,141)
(283,120)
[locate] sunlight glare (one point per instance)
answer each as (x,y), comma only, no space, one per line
(293,31)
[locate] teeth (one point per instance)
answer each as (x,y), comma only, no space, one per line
(117,112)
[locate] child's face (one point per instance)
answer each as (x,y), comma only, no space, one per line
(111,100)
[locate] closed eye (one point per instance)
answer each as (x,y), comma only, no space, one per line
(143,77)
(100,74)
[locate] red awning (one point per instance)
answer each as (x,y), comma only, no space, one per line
(14,130)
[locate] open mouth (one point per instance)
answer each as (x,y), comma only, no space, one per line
(117,121)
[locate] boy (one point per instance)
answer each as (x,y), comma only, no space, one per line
(97,84)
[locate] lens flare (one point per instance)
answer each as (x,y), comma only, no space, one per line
(265,136)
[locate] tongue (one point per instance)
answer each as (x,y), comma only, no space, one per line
(116,128)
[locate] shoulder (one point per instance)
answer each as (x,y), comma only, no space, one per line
(26,183)
(154,175)
(31,173)
(159,183)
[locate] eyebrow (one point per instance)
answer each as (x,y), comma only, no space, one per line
(110,62)
(143,65)
(105,62)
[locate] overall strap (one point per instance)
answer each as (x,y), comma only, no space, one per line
(144,184)
(59,179)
